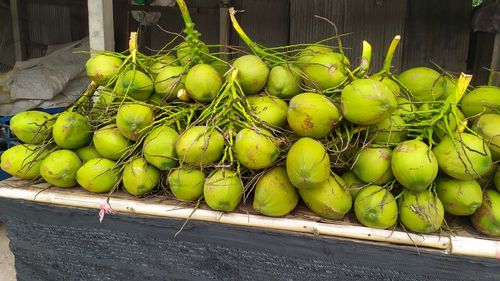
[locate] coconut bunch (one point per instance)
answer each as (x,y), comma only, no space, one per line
(275,125)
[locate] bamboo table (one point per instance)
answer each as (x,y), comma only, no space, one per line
(55,234)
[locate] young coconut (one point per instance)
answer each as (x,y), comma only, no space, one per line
(135,84)
(496,179)
(482,100)
(390,130)
(133,120)
(203,83)
(159,148)
(312,115)
(23,161)
(421,212)
(269,109)
(353,183)
(161,63)
(376,99)
(98,175)
(283,82)
(373,165)
(169,81)
(455,124)
(488,126)
(110,143)
(186,52)
(459,198)
(326,71)
(424,84)
(200,145)
(223,190)
(88,152)
(389,83)
(102,68)
(186,184)
(376,207)
(140,177)
(463,156)
(275,195)
(256,149)
(330,199)
(307,163)
(72,130)
(305,55)
(59,168)
(487,218)
(32,127)
(252,73)
(220,66)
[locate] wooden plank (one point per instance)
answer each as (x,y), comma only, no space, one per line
(437,31)
(495,61)
(101,30)
(16,29)
(375,21)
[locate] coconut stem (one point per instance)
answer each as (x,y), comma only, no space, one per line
(390,55)
(185,14)
(132,46)
(251,44)
(462,84)
(366,56)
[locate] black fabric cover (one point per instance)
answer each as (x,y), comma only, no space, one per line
(63,244)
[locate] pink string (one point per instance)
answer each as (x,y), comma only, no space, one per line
(104,209)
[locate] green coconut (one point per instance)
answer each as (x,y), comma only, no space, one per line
(185,52)
(72,130)
(32,127)
(496,179)
(220,66)
(424,84)
(464,157)
(87,152)
(388,82)
(159,148)
(367,102)
(353,183)
(269,109)
(307,163)
(312,115)
(414,165)
(104,99)
(459,198)
(23,161)
(488,126)
(157,99)
(256,149)
(252,73)
(310,52)
(450,87)
(421,212)
(59,168)
(98,175)
(140,177)
(110,143)
(135,84)
(390,130)
(330,199)
(405,110)
(169,81)
(487,218)
(203,83)
(275,195)
(186,184)
(102,68)
(223,190)
(283,82)
(161,63)
(376,207)
(373,165)
(325,71)
(482,100)
(200,145)
(133,120)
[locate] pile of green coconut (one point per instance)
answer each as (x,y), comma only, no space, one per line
(273,127)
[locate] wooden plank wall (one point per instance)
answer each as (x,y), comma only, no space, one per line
(437,31)
(376,21)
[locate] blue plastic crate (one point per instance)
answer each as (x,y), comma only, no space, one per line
(8,140)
